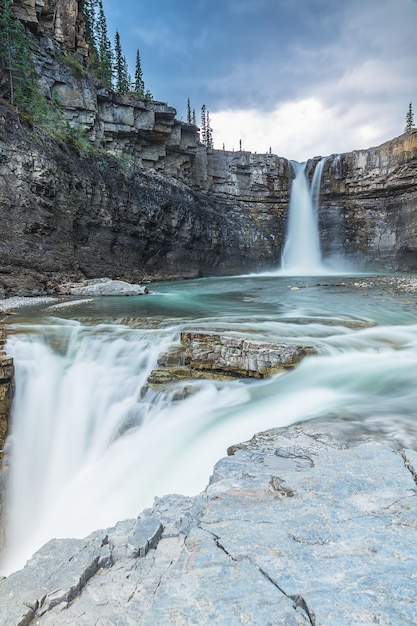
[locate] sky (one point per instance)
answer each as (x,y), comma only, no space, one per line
(300,77)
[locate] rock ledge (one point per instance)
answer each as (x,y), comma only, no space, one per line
(294,528)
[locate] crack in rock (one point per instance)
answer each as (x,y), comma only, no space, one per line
(297,599)
(409,466)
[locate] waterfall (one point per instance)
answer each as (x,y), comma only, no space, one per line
(301,255)
(90,444)
(79,392)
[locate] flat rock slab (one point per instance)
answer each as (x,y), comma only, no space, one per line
(294,528)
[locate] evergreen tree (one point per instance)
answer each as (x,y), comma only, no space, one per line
(22,87)
(89,14)
(209,131)
(104,48)
(189,118)
(409,118)
(194,119)
(121,71)
(139,86)
(203,125)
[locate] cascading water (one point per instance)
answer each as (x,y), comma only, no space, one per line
(301,255)
(91,446)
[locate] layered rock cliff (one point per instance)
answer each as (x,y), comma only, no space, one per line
(369,205)
(154,203)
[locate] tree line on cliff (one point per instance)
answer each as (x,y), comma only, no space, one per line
(109,63)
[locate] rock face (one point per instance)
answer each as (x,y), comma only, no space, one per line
(59,20)
(167,207)
(368,209)
(6,389)
(204,355)
(66,219)
(6,392)
(294,528)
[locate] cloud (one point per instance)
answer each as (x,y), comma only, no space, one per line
(298,130)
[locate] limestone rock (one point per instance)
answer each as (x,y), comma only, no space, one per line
(103,287)
(207,355)
(295,528)
(368,205)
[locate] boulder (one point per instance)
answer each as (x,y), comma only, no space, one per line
(102,287)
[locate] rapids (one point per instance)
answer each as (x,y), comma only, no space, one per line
(90,445)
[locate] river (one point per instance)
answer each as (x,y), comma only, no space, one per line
(90,445)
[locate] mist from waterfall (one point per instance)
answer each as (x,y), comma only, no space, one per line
(302,255)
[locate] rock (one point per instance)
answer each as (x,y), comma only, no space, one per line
(6,393)
(367,205)
(295,527)
(213,356)
(103,287)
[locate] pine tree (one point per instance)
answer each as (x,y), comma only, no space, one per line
(194,119)
(203,125)
(104,48)
(89,15)
(121,72)
(209,131)
(139,87)
(409,118)
(22,87)
(189,118)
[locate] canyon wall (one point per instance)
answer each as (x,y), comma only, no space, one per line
(151,202)
(64,218)
(369,206)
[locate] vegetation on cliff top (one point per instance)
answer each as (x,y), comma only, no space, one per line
(108,64)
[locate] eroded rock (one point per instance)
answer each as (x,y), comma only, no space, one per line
(222,357)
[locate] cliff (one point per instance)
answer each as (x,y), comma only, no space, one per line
(64,218)
(368,205)
(151,202)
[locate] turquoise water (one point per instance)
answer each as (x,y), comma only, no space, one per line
(91,445)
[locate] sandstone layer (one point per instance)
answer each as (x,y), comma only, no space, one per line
(295,527)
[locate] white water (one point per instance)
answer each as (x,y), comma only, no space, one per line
(301,255)
(88,448)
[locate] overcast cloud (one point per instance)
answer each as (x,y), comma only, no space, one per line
(304,77)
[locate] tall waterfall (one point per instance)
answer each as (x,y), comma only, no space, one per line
(301,255)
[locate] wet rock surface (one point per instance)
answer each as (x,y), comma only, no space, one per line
(6,394)
(208,355)
(296,527)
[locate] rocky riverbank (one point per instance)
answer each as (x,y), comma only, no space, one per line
(295,527)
